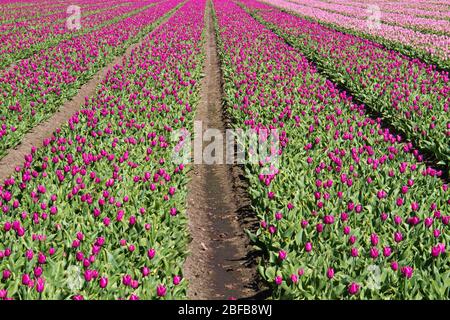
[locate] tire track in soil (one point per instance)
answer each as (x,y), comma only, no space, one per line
(221,263)
(45,129)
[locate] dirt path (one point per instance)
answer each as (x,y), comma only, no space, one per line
(221,264)
(35,137)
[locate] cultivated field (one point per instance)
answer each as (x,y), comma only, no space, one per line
(222,149)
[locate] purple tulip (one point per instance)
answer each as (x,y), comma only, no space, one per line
(319,227)
(304,223)
(329,219)
(145,271)
(151,253)
(103,282)
(374,253)
(26,279)
(308,246)
(161,290)
(176,280)
(353,288)
(330,273)
(37,272)
(397,220)
(394,265)
(42,259)
(88,275)
(407,271)
(282,255)
(428,222)
(352,239)
(346,230)
(3,293)
(398,237)
(134,284)
(436,251)
(294,278)
(40,285)
(79,256)
(6,274)
(126,280)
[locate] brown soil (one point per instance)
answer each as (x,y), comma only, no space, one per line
(221,263)
(35,137)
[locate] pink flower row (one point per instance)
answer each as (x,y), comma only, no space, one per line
(430,10)
(436,45)
(397,18)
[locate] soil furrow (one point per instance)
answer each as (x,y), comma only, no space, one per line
(221,262)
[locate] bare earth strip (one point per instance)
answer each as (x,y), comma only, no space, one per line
(35,137)
(220,264)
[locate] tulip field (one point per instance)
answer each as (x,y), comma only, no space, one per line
(357,207)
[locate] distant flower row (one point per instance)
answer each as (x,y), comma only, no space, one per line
(436,45)
(409,94)
(350,212)
(35,88)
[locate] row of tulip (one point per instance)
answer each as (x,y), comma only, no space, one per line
(349,211)
(34,89)
(55,19)
(24,42)
(428,5)
(411,95)
(16,12)
(428,47)
(425,9)
(425,25)
(98,212)
(23,13)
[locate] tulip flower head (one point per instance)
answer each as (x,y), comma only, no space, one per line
(407,271)
(103,282)
(161,290)
(40,285)
(330,273)
(176,280)
(353,288)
